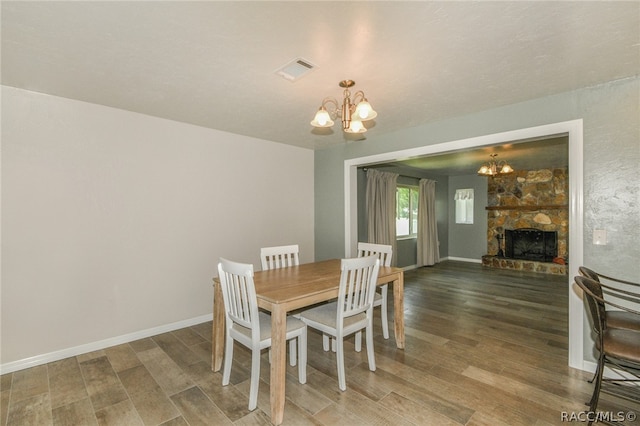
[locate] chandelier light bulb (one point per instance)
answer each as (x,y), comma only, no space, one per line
(364,111)
(506,169)
(356,126)
(322,118)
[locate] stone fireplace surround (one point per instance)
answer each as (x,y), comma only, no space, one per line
(528,199)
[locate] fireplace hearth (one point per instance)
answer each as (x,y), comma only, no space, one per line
(530,244)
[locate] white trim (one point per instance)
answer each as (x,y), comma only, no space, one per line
(574,129)
(409,268)
(22,364)
(576,244)
(464,259)
(611,373)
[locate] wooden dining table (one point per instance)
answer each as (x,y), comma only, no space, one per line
(283,290)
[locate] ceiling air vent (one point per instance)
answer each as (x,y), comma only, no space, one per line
(296,69)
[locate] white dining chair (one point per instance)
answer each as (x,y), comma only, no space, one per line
(384,253)
(250,327)
(279,257)
(352,312)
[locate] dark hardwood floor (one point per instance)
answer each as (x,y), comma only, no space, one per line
(483,347)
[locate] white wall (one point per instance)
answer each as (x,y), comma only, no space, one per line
(113,222)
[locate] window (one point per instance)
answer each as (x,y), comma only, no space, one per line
(464,206)
(406,211)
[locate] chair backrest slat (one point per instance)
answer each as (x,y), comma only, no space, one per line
(357,285)
(279,257)
(596,276)
(586,272)
(383,251)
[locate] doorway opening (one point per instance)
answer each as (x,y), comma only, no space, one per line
(574,132)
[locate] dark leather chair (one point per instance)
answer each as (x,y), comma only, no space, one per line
(618,348)
(615,319)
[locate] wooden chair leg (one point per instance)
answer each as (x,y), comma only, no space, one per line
(255,379)
(383,312)
(342,382)
(228,357)
(292,352)
(302,359)
(370,353)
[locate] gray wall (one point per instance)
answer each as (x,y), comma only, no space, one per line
(611,163)
(611,152)
(468,241)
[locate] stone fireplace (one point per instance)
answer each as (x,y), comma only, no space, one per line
(528,221)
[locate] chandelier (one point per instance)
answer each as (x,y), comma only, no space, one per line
(493,168)
(352,112)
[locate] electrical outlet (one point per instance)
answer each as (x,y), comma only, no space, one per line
(600,237)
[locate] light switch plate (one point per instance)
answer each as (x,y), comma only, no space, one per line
(600,237)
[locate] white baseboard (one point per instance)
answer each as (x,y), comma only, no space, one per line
(442,259)
(22,364)
(609,373)
(409,268)
(464,259)
(589,366)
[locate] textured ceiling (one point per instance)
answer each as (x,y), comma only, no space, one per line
(213,63)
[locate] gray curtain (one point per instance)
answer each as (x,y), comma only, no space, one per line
(381,208)
(428,246)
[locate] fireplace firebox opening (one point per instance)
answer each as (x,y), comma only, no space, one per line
(531,244)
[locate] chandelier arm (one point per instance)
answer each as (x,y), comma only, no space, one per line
(334,102)
(357,100)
